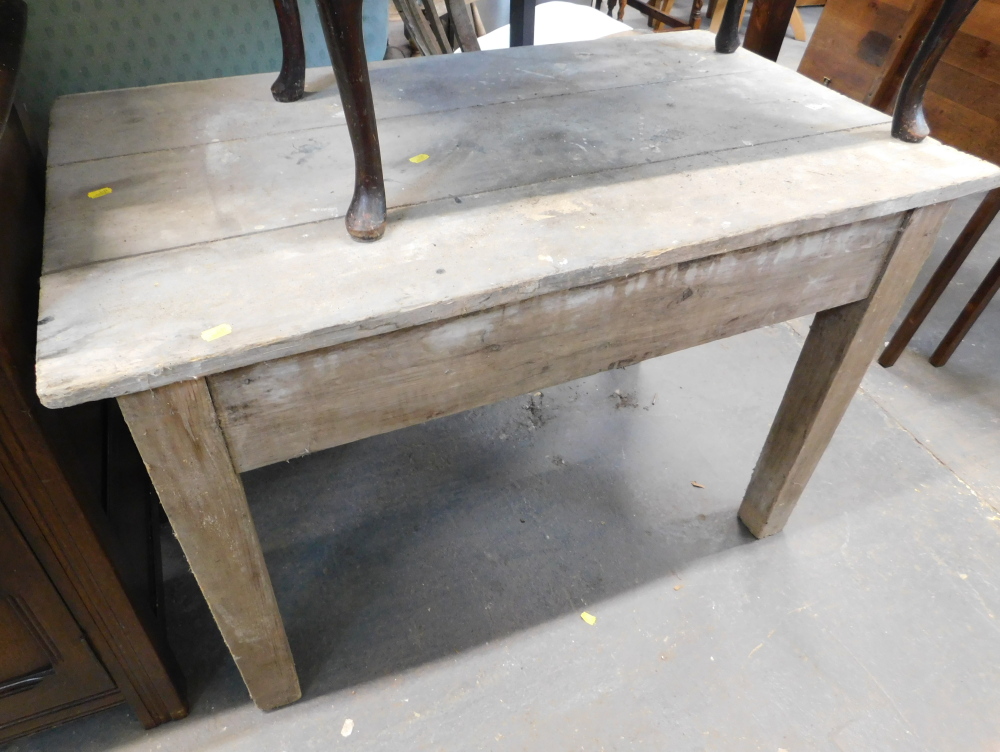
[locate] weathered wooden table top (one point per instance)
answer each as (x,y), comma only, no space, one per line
(547,168)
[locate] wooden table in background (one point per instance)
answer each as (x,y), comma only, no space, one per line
(532,245)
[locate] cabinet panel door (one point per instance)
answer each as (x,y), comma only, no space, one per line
(46,666)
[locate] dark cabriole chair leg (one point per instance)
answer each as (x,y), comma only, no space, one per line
(908,121)
(290,85)
(342,27)
(727,39)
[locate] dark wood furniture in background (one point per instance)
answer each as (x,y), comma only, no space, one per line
(937,284)
(341,19)
(80,607)
(863,50)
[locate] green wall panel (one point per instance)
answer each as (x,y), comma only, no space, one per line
(91,45)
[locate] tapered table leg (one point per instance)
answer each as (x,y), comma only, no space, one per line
(942,276)
(290,85)
(178,435)
(841,345)
(341,21)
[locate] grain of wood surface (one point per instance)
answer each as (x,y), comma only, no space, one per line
(177,432)
(199,234)
(286,408)
(842,343)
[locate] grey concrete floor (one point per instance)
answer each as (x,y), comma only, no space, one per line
(432,579)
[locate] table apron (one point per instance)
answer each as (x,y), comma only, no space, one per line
(290,407)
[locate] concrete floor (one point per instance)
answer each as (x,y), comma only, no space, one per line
(432,579)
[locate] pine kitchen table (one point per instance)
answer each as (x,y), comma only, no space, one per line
(554,212)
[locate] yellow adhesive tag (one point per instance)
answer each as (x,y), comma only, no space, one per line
(589,618)
(99,192)
(216,331)
(420,158)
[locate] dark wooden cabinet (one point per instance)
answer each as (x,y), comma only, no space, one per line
(81,624)
(48,672)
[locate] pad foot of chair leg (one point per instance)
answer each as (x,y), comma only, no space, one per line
(366,217)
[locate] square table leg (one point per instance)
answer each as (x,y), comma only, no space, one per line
(841,345)
(177,432)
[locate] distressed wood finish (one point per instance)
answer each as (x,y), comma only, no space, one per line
(198,236)
(419,29)
(290,407)
(534,251)
(766,28)
(127,122)
(437,26)
(114,328)
(245,187)
(841,345)
(465,30)
(177,432)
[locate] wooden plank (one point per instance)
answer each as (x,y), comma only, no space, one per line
(418,27)
(239,187)
(967,90)
(431,13)
(976,47)
(975,55)
(285,408)
(111,329)
(984,22)
(856,44)
(98,125)
(460,16)
(964,128)
(841,345)
(178,434)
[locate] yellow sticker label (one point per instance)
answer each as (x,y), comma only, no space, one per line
(216,331)
(420,158)
(589,618)
(99,192)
